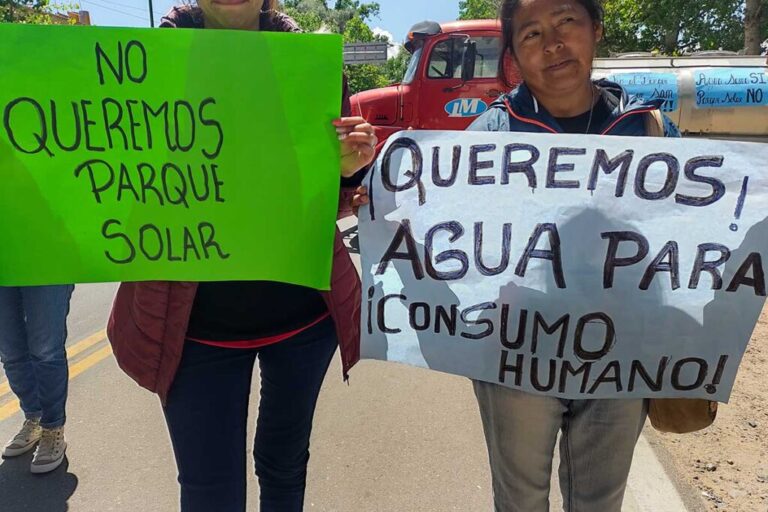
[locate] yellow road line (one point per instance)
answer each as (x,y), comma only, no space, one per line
(87,362)
(11,408)
(72,352)
(5,388)
(85,344)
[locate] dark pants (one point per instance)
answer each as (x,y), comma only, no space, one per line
(207,412)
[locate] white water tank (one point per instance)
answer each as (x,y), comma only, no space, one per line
(713,96)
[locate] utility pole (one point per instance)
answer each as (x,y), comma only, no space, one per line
(151,15)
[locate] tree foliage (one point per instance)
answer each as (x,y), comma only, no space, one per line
(313,15)
(351,19)
(479,9)
(396,67)
(755,25)
(362,77)
(674,26)
(669,26)
(31,11)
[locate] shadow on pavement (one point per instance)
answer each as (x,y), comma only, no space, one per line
(20,490)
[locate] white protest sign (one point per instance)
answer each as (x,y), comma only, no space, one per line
(565,265)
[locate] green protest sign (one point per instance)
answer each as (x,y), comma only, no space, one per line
(190,155)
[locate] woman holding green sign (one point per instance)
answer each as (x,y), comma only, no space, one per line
(195,344)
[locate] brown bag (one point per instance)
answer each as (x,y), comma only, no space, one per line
(681,415)
(676,415)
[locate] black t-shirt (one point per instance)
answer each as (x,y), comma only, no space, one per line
(600,113)
(247,310)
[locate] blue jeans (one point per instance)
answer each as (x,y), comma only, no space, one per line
(207,413)
(33,331)
(596,448)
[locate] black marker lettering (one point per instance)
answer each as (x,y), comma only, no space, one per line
(525,167)
(555,168)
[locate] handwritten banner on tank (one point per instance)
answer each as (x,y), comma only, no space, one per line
(651,86)
(571,266)
(131,155)
(731,87)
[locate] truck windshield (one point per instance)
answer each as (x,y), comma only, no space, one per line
(413,65)
(447,58)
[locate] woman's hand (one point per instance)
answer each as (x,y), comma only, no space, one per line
(358,144)
(360,199)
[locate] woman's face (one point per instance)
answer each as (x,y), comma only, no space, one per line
(231,14)
(554,43)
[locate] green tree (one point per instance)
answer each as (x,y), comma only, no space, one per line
(15,11)
(362,77)
(479,9)
(309,14)
(314,14)
(755,25)
(350,19)
(674,26)
(395,68)
(357,31)
(669,26)
(345,11)
(365,77)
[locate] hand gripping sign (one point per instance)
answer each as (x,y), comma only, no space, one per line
(134,155)
(571,266)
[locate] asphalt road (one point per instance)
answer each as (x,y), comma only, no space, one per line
(395,439)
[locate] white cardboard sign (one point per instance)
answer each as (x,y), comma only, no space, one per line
(565,265)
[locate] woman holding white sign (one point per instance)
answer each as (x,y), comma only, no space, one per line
(195,344)
(553,43)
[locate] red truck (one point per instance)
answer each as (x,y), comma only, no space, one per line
(452,79)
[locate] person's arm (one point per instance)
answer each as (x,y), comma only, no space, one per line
(358,144)
(356,179)
(358,140)
(350,184)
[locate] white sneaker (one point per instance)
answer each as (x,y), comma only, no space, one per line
(50,452)
(25,440)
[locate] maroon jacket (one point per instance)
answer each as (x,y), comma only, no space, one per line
(148,324)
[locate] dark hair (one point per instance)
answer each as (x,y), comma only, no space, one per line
(270,6)
(507,14)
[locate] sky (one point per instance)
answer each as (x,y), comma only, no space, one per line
(397,16)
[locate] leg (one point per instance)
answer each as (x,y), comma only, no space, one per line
(291,375)
(521,431)
(596,451)
(46,309)
(14,352)
(207,413)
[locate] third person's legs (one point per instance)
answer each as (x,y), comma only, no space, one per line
(521,432)
(596,450)
(46,309)
(14,352)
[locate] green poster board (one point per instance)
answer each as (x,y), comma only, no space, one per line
(179,155)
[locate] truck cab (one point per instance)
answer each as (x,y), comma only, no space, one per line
(452,78)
